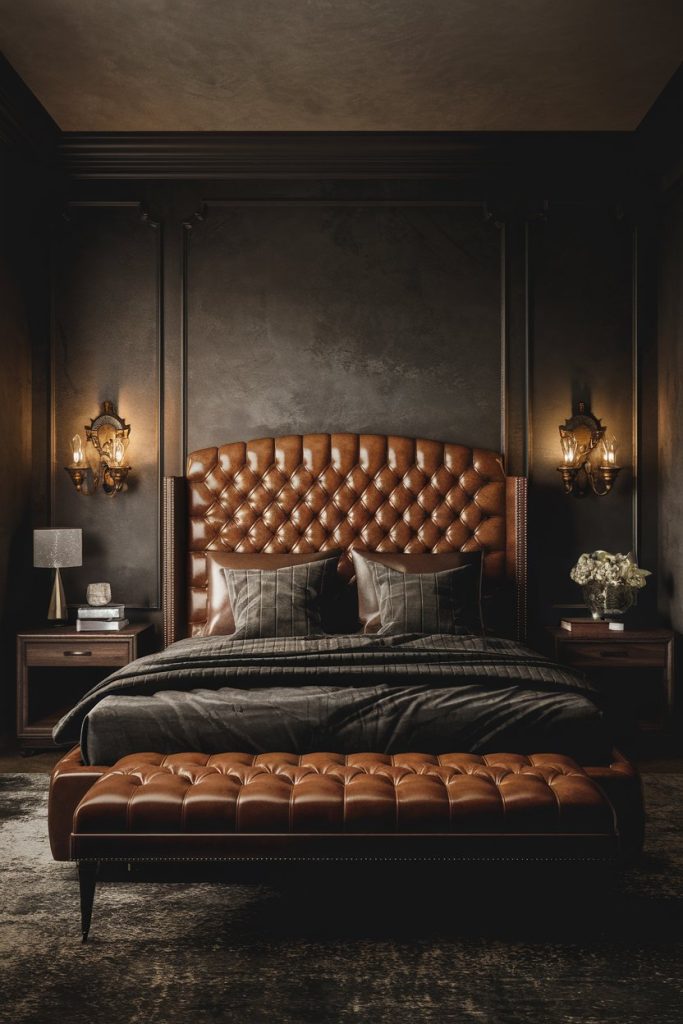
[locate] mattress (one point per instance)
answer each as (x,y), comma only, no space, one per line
(344,693)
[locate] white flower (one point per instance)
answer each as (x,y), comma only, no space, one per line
(608,570)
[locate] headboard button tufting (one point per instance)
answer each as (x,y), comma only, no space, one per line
(371,491)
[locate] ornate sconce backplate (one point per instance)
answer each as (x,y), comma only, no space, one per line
(586,429)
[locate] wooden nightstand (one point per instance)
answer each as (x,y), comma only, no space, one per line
(55,668)
(632,649)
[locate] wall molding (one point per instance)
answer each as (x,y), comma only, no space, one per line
(635,391)
(187,229)
(514,219)
(514,160)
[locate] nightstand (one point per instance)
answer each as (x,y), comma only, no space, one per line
(630,649)
(56,665)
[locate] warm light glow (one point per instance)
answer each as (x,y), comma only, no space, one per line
(609,451)
(569,449)
(77,450)
(118,452)
(100,459)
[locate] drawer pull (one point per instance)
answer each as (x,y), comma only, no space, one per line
(614,654)
(77,654)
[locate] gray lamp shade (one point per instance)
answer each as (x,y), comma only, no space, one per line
(57,549)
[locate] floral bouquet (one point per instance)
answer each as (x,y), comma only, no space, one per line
(608,581)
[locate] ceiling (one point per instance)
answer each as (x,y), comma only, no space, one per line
(344,65)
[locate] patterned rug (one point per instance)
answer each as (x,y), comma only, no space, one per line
(424,950)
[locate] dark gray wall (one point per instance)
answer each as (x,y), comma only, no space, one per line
(670,355)
(24,289)
(344,318)
(106,346)
(582,348)
(459,322)
(662,146)
(15,403)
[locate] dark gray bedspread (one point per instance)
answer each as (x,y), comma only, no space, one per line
(433,694)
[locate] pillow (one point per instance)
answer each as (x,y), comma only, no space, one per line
(368,603)
(280,602)
(430,602)
(219,618)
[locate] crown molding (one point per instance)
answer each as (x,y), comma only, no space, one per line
(577,160)
(25,126)
(477,158)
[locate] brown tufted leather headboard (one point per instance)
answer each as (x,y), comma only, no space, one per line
(321,491)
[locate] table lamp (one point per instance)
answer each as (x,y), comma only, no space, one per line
(57,549)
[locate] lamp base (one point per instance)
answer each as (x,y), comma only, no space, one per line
(57,612)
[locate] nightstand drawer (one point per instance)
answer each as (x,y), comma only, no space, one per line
(77,653)
(615,653)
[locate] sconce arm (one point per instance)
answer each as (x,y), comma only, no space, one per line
(601,479)
(113,477)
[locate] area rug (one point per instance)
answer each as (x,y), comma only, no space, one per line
(425,951)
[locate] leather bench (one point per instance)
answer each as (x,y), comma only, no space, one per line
(269,807)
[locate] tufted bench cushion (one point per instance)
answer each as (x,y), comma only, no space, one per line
(195,805)
(322,807)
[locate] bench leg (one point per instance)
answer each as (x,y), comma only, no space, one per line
(87,878)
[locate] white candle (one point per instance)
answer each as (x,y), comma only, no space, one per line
(77,450)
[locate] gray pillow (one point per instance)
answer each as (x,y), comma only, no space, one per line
(431,602)
(415,562)
(280,602)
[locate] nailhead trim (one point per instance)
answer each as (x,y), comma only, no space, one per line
(229,860)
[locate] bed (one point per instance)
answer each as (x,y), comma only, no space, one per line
(214,720)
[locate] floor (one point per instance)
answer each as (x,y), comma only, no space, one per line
(12,760)
(418,948)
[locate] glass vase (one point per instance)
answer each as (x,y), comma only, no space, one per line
(606,601)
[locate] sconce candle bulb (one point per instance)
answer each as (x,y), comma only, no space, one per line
(609,451)
(77,450)
(118,451)
(569,449)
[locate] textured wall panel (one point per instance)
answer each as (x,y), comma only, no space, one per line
(105,346)
(671,413)
(581,349)
(306,319)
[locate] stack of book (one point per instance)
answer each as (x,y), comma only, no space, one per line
(585,627)
(108,617)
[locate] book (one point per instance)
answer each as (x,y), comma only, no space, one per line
(104,611)
(591,627)
(100,625)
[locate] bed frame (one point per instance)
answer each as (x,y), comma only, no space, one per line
(314,492)
(319,492)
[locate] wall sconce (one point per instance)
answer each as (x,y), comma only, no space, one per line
(580,437)
(108,435)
